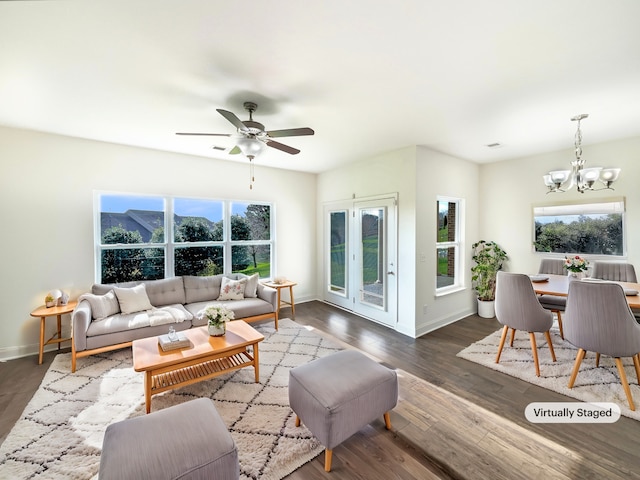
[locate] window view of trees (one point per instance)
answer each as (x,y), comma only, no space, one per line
(586,234)
(447,243)
(199,244)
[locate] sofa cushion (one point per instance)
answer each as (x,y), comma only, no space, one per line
(134,299)
(248,307)
(102,306)
(250,289)
(232,289)
(201,289)
(166,291)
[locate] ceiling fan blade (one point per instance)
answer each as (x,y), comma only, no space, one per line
(206,134)
(283,147)
(290,132)
(235,150)
(232,118)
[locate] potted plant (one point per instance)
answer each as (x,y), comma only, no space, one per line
(217,317)
(488,258)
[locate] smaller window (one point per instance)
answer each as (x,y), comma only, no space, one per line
(447,243)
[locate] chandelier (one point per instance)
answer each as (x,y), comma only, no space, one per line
(579,176)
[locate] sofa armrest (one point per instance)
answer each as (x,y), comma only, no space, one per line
(268,294)
(80,321)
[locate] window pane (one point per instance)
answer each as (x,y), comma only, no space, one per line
(446,267)
(131,219)
(199,260)
(127,264)
(197,220)
(338,247)
(250,259)
(446,221)
(582,229)
(250,221)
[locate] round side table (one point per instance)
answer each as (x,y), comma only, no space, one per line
(43,312)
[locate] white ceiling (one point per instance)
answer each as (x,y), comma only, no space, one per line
(369,76)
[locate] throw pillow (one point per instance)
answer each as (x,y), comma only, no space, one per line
(232,289)
(102,306)
(252,286)
(133,299)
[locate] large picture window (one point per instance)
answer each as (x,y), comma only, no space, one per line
(587,229)
(149,237)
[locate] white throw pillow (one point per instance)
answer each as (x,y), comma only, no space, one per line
(250,291)
(133,299)
(102,306)
(232,289)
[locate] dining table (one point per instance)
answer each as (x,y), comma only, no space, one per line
(547,284)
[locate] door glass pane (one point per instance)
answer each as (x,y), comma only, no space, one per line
(372,288)
(338,252)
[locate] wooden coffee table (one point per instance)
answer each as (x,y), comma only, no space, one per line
(207,357)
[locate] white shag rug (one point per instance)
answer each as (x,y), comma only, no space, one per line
(59,435)
(593,384)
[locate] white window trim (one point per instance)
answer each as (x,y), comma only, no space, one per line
(458,284)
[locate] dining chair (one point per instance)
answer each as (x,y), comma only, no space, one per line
(598,319)
(616,271)
(554,303)
(517,308)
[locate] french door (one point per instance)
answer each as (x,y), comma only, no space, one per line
(361,265)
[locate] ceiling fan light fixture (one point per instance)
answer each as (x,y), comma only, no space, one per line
(250,147)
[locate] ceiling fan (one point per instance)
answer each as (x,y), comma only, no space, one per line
(252,136)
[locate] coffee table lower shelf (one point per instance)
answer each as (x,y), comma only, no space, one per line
(165,379)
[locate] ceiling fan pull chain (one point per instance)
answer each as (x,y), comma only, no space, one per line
(251,177)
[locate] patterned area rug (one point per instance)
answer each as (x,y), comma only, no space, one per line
(59,435)
(594,384)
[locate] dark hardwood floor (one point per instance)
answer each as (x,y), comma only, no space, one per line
(471,425)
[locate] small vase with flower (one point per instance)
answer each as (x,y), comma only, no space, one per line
(576,266)
(217,317)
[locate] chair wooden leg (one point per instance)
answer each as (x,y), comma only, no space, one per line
(513,335)
(625,383)
(560,323)
(576,367)
(327,459)
(548,337)
(534,350)
(597,359)
(387,420)
(502,340)
(636,363)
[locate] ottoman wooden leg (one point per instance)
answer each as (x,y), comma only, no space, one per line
(297,421)
(387,421)
(327,460)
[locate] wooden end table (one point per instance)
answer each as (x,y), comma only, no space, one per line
(279,286)
(207,357)
(43,312)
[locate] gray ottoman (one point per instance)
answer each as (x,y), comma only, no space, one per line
(186,441)
(337,395)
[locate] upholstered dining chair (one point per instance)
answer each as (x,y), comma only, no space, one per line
(616,271)
(598,319)
(517,308)
(554,303)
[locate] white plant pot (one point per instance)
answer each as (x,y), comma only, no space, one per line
(486,309)
(217,331)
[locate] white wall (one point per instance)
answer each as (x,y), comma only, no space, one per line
(46,192)
(387,173)
(419,175)
(508,190)
(438,174)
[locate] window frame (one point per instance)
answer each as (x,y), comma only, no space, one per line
(169,245)
(457,245)
(615,205)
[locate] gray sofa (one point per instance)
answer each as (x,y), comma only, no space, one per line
(113,316)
